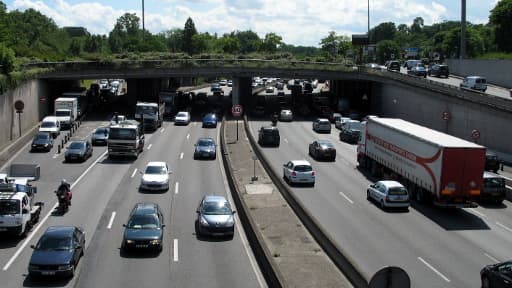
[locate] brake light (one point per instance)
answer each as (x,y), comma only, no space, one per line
(294,173)
(388,199)
(312,173)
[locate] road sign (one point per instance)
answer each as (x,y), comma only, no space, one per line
(446,116)
(475,134)
(19,106)
(237,110)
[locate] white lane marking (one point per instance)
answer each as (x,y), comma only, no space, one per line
(492,258)
(109,226)
(434,269)
(176,188)
(181,155)
(175,251)
(504,227)
(239,229)
(346,197)
(188,136)
(149,146)
(56,155)
(285,140)
(134,171)
(162,130)
(477,212)
(34,231)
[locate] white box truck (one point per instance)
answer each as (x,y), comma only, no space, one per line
(66,111)
(434,166)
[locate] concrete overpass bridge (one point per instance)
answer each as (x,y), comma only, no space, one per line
(429,103)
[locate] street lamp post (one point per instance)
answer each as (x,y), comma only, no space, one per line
(462,53)
(143,28)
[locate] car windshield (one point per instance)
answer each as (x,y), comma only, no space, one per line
(143,222)
(145,110)
(181,114)
(216,208)
(76,145)
(397,191)
(155,170)
(54,243)
(42,136)
(326,144)
(205,142)
(494,182)
(122,134)
(101,131)
(303,168)
(9,206)
(209,117)
(48,124)
(62,113)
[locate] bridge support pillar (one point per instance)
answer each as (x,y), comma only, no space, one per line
(242,90)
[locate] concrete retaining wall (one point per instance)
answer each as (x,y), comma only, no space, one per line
(497,72)
(426,108)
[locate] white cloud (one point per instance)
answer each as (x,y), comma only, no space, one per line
(299,22)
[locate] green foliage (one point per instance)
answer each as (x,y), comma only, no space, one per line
(386,49)
(188,38)
(495,56)
(7,59)
(501,18)
(335,45)
(384,31)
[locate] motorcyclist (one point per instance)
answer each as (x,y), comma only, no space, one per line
(274,118)
(65,189)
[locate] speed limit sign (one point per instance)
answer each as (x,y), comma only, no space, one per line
(237,110)
(475,134)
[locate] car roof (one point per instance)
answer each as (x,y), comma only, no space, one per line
(215,198)
(489,174)
(391,183)
(142,208)
(46,133)
(59,231)
(300,162)
(324,141)
(50,118)
(322,119)
(156,163)
(269,128)
(78,141)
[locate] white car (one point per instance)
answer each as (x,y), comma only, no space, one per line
(223,82)
(120,118)
(182,118)
(286,115)
(388,194)
(475,83)
(299,171)
(50,124)
(322,125)
(155,176)
(341,121)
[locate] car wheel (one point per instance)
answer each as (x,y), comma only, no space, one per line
(368,195)
(312,184)
(381,204)
(72,272)
(485,282)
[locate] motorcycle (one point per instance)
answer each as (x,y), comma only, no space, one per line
(64,201)
(274,120)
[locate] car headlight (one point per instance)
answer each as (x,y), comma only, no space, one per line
(204,222)
(230,221)
(32,267)
(155,242)
(46,145)
(64,267)
(129,241)
(34,145)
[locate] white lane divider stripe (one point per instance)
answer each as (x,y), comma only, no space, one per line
(346,197)
(109,226)
(162,130)
(504,227)
(133,174)
(181,155)
(477,212)
(492,258)
(149,146)
(176,188)
(188,136)
(434,269)
(175,251)
(285,140)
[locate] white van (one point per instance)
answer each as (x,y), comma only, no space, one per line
(50,124)
(475,83)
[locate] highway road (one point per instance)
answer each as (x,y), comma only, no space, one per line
(105,191)
(438,248)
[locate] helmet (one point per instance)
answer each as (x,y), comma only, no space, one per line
(63,181)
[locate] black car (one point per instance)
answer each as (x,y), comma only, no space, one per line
(439,70)
(100,136)
(393,66)
(42,141)
(492,163)
(497,275)
(145,228)
(78,150)
(418,71)
(322,149)
(57,252)
(269,136)
(205,149)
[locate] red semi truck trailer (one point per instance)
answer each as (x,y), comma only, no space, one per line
(434,166)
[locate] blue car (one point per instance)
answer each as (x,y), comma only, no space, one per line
(210,120)
(57,252)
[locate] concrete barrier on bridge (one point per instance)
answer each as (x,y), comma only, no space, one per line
(496,71)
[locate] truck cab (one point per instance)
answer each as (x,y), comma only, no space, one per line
(150,114)
(17,210)
(126,139)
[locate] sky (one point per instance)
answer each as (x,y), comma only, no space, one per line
(298,22)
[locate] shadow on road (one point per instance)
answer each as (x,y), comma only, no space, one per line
(31,281)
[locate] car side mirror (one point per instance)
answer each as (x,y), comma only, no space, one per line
(197,211)
(284,165)
(78,247)
(163,225)
(24,211)
(32,246)
(124,225)
(234,212)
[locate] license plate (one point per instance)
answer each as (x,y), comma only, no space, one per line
(48,273)
(141,246)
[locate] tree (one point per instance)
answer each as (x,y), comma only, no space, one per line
(387,50)
(174,39)
(501,18)
(384,31)
(126,35)
(75,48)
(335,45)
(271,43)
(188,33)
(6,59)
(249,41)
(417,25)
(229,44)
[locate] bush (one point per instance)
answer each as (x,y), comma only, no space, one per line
(7,59)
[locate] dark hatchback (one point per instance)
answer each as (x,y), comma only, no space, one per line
(145,228)
(78,150)
(215,217)
(43,141)
(57,252)
(210,120)
(269,136)
(494,188)
(497,275)
(322,149)
(439,70)
(100,136)
(492,163)
(205,149)
(393,66)
(418,71)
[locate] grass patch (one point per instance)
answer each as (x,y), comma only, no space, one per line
(495,56)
